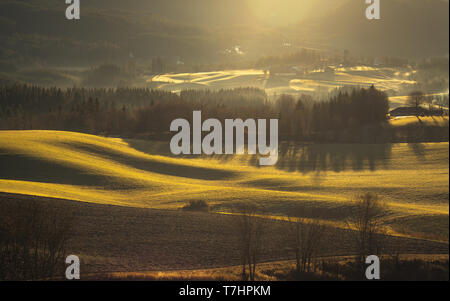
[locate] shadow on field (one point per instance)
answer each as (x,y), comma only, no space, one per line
(153,165)
(23,168)
(318,158)
(418,149)
(337,158)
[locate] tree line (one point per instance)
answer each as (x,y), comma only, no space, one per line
(123,111)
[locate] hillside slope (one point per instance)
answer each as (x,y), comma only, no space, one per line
(412,179)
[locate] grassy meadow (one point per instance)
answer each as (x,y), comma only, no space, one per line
(411,178)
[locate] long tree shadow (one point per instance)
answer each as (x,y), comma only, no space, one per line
(418,149)
(333,157)
(313,158)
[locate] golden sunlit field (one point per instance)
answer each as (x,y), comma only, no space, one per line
(411,178)
(288,82)
(401,101)
(427,121)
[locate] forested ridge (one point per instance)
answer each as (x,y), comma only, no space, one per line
(141,110)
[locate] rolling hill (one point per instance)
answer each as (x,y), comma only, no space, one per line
(411,178)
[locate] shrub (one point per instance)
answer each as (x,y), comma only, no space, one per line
(198,205)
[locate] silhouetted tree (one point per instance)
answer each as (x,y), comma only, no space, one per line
(306,236)
(250,231)
(33,240)
(366,220)
(416,98)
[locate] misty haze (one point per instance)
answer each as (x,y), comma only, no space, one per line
(360,161)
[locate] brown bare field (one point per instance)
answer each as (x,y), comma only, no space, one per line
(114,239)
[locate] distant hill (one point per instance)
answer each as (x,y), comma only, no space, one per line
(39,31)
(200,30)
(204,12)
(410,28)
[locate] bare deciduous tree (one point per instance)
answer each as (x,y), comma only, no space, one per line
(366,220)
(306,237)
(250,231)
(416,98)
(33,238)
